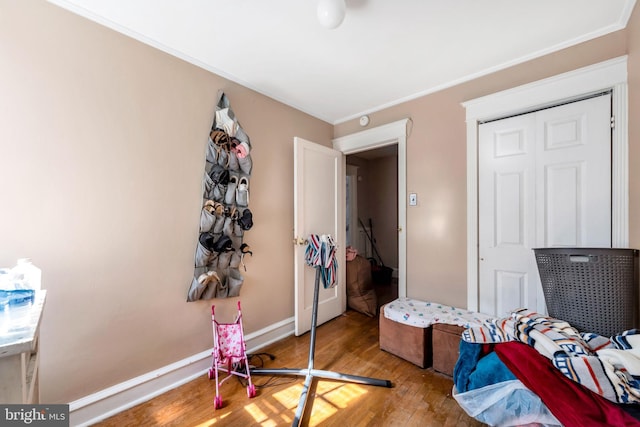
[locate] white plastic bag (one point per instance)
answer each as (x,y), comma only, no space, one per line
(25,275)
(508,403)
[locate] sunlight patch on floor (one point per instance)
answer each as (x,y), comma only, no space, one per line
(289,397)
(341,396)
(258,415)
(213,421)
(331,397)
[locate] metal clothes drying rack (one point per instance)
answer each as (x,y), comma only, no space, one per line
(310,373)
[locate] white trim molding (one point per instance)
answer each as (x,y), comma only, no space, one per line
(620,168)
(120,397)
(607,75)
(389,134)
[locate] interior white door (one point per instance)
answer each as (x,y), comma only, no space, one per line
(573,173)
(318,209)
(544,180)
(506,214)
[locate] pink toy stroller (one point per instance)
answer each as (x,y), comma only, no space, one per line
(229,354)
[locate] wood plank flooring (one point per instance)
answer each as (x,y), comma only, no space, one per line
(347,344)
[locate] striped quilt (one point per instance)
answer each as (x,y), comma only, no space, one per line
(609,367)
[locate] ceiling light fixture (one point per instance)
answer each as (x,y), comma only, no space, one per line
(331,13)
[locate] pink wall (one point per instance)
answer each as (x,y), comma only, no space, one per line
(102,158)
(103,143)
(436,163)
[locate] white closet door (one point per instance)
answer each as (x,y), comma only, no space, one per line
(507,214)
(573,173)
(544,180)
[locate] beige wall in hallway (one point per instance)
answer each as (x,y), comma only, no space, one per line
(436,164)
(384,208)
(378,200)
(102,156)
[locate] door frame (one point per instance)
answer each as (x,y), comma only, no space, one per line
(352,171)
(607,75)
(390,134)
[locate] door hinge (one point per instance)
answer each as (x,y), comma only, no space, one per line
(299,241)
(613,122)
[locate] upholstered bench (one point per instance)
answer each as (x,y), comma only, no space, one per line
(411,343)
(425,333)
(445,342)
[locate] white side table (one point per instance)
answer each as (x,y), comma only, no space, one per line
(19,355)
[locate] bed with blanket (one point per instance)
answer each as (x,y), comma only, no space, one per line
(530,368)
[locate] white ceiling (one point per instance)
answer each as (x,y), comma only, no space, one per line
(385,52)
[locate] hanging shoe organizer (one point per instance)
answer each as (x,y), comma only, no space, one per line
(225,215)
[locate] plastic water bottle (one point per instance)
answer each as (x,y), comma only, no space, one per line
(26,275)
(17,288)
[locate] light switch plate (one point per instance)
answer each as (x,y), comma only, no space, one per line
(413,199)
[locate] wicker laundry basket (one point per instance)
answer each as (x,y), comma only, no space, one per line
(594,289)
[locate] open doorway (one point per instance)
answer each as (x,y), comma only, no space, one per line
(390,135)
(372,214)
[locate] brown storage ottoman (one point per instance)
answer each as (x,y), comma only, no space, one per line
(411,343)
(361,295)
(446,347)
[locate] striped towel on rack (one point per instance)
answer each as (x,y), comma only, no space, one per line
(321,253)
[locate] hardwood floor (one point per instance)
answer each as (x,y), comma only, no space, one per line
(347,344)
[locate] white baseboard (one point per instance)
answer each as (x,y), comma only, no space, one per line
(110,401)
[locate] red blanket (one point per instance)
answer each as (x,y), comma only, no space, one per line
(571,403)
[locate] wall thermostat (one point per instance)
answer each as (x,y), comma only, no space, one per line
(364,120)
